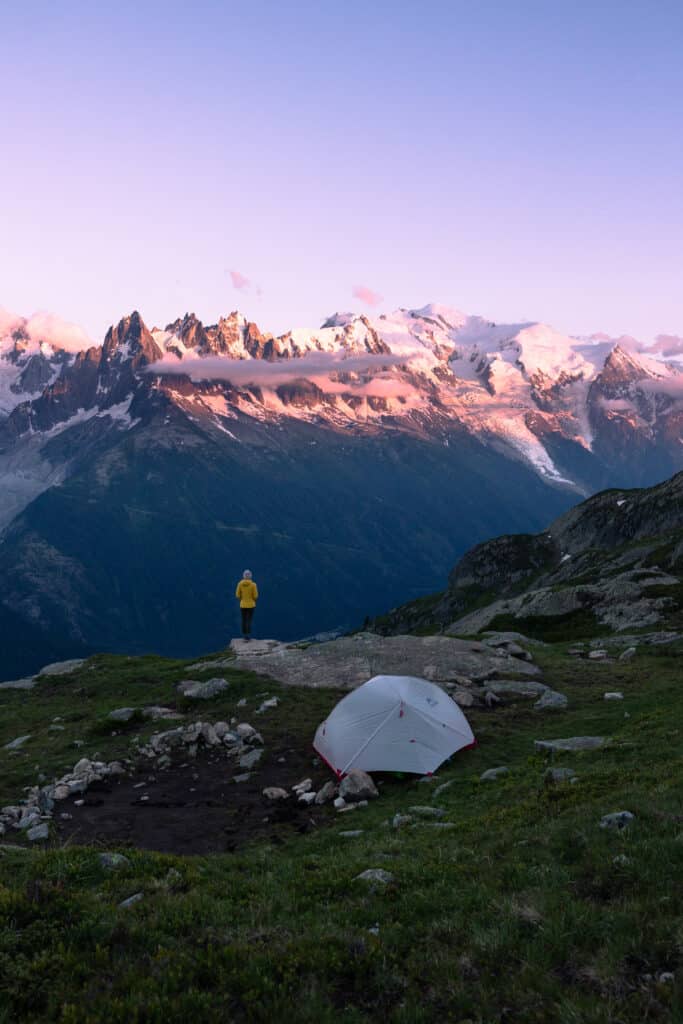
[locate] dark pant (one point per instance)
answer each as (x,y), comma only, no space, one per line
(247,616)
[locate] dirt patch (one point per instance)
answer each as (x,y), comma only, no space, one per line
(195,806)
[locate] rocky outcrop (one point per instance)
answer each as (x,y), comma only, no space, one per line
(350,661)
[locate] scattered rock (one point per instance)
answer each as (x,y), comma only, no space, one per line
(427,812)
(551,700)
(352,833)
(275,793)
(617,820)
(250,759)
(303,787)
(326,794)
(627,654)
(444,786)
(135,898)
(376,878)
(245,731)
(464,699)
(571,743)
(17,743)
(439,824)
(400,820)
(621,860)
(121,714)
(113,861)
(559,775)
(357,785)
(599,655)
(244,777)
(202,691)
(340,803)
(491,774)
(306,798)
(614,695)
(38,832)
(265,705)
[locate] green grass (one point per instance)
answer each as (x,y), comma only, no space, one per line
(519,914)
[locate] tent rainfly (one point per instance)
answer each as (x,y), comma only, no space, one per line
(393,724)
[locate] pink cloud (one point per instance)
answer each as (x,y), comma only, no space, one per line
(667,344)
(239,281)
(366,295)
(243,372)
(49,328)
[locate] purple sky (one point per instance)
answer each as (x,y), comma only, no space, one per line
(518,160)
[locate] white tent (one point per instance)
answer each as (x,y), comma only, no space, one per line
(393,724)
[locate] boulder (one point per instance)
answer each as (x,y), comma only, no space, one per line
(491,774)
(627,654)
(275,793)
(61,668)
(357,785)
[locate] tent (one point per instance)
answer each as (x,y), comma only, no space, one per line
(393,724)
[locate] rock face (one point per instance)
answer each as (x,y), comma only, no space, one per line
(349,661)
(614,562)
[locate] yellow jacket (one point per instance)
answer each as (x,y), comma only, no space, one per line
(247,592)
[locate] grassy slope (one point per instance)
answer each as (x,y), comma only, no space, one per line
(518,914)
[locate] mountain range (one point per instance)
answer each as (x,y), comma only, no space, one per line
(347,466)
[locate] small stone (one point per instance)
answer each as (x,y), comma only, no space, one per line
(245,731)
(78,803)
(202,691)
(427,812)
(617,820)
(113,861)
(621,860)
(17,743)
(29,819)
(243,777)
(627,654)
(357,785)
(121,714)
(400,820)
(251,759)
(221,728)
(440,824)
(666,978)
(56,728)
(61,792)
(571,743)
(242,703)
(444,786)
(135,898)
(352,833)
(272,702)
(558,775)
(306,798)
(463,698)
(597,655)
(38,832)
(340,803)
(614,695)
(347,807)
(375,877)
(491,774)
(551,700)
(275,793)
(303,787)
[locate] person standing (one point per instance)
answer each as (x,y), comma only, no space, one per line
(247,595)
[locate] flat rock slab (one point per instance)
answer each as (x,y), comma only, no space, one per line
(19,684)
(571,743)
(253,648)
(202,691)
(351,660)
(61,668)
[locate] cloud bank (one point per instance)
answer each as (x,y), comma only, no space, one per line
(366,295)
(239,281)
(47,327)
(244,372)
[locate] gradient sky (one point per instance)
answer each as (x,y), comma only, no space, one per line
(516,159)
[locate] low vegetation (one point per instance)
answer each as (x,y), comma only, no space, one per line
(525,911)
